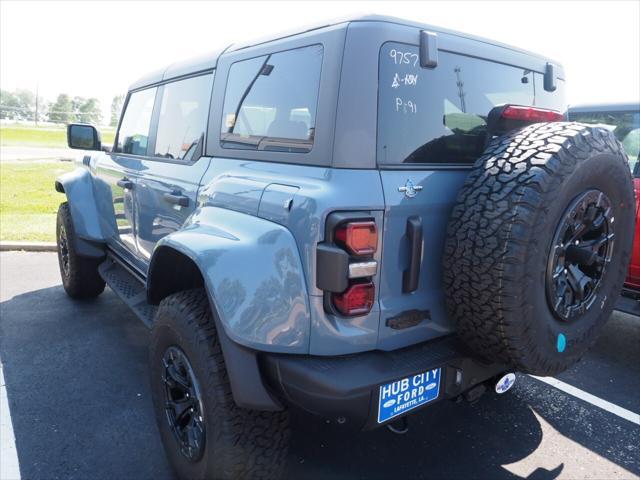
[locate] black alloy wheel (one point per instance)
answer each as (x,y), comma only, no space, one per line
(63,247)
(580,252)
(183,403)
(205,433)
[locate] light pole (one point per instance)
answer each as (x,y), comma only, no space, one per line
(461,94)
(37,90)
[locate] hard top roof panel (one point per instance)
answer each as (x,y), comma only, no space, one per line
(201,63)
(209,60)
(376,18)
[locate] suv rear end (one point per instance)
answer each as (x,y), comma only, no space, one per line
(430,125)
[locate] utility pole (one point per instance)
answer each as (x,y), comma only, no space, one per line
(37,89)
(461,94)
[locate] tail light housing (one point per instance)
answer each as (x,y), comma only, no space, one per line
(356,300)
(360,238)
(346,265)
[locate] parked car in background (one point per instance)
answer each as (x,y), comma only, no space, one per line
(624,120)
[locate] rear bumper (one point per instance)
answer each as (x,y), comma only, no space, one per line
(346,388)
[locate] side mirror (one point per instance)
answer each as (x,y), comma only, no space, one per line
(83,136)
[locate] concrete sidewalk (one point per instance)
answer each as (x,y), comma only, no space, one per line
(19,153)
(11,246)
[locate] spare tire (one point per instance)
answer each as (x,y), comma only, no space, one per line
(538,244)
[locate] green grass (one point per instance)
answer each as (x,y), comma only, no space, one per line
(28,200)
(31,136)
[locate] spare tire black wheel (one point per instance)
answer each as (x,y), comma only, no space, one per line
(538,245)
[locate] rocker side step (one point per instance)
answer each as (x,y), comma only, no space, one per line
(129,288)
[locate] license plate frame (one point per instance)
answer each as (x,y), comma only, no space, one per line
(408,393)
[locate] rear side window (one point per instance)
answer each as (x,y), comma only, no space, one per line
(133,135)
(270,101)
(439,116)
(183,117)
(625,126)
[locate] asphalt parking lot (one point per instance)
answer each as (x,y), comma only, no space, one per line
(75,375)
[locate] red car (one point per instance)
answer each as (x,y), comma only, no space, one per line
(624,120)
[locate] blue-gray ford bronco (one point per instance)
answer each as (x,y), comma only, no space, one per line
(357,220)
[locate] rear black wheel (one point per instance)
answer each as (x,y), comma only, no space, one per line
(80,277)
(183,403)
(205,434)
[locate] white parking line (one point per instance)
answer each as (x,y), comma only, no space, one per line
(9,468)
(592,399)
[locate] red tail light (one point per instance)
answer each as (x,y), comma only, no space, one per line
(531,114)
(360,238)
(346,265)
(356,300)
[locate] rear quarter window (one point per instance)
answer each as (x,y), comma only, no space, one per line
(271,101)
(438,116)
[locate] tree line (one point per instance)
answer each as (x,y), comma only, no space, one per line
(22,104)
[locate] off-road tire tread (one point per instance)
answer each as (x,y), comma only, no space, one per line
(503,202)
(251,444)
(84,281)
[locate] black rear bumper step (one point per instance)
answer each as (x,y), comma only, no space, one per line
(346,387)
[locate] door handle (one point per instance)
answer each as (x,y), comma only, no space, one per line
(176,198)
(125,183)
(411,275)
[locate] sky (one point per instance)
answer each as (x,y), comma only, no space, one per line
(96,49)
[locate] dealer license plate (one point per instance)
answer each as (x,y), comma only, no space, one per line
(408,393)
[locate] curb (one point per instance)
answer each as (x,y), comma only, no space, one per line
(28,246)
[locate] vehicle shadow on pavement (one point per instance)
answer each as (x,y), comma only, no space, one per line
(446,440)
(77,382)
